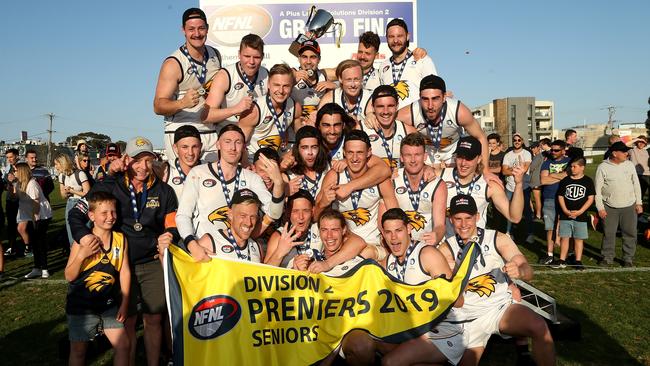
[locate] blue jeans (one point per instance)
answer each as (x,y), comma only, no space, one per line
(527,214)
(72,201)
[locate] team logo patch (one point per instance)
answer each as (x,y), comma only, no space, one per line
(400,190)
(308,109)
(416,220)
(373,137)
(360,216)
(153,203)
(177,180)
(425,195)
(482,285)
(287,114)
(392,164)
(391,266)
(267,119)
(219,215)
(386,68)
(402,89)
(344,268)
(214,316)
(412,261)
(98,280)
(209,183)
(449,122)
(239,85)
(227,248)
(272,141)
(413,62)
(421,126)
(449,184)
(301,85)
(477,187)
(140,141)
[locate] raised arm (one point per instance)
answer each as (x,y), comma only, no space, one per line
(164,103)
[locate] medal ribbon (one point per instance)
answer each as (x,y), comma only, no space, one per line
(354,111)
(249,83)
(402,267)
(434,129)
(397,76)
(476,239)
(384,143)
(366,76)
(280,125)
(180,171)
(470,188)
(302,248)
(356,195)
(414,197)
(224,185)
(240,255)
(134,201)
(204,64)
(304,185)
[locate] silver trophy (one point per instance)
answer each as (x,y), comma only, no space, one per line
(317,25)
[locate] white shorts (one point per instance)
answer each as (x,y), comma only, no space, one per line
(478,332)
(208,151)
(449,340)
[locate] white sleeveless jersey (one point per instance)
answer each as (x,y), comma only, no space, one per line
(224,248)
(305,94)
(479,193)
(393,143)
(175,179)
(488,284)
(451,131)
(360,110)
(204,201)
(413,273)
(421,221)
(266,133)
(408,85)
(371,80)
(362,220)
(310,185)
(237,89)
(312,241)
(192,116)
(338,154)
(344,267)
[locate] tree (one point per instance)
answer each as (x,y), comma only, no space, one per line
(95,141)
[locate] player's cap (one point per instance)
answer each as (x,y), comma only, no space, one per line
(462,203)
(384,91)
(468,147)
(186,131)
(245,195)
(194,13)
(619,146)
(311,46)
(433,82)
(138,145)
(112,149)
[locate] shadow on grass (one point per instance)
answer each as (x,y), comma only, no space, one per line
(33,344)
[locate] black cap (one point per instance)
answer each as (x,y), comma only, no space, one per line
(468,147)
(433,82)
(112,149)
(619,146)
(310,45)
(186,131)
(384,91)
(245,195)
(194,13)
(462,203)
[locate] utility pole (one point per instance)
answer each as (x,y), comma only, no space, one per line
(611,111)
(49,141)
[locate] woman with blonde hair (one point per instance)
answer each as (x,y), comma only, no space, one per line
(34,216)
(74,185)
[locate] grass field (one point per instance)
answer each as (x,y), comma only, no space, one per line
(611,308)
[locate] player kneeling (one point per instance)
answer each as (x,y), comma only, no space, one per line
(412,262)
(489,307)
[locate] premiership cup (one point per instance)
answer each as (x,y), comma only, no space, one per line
(317,25)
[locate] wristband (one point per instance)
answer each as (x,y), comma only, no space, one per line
(188,239)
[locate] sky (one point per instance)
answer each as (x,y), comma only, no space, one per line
(95,64)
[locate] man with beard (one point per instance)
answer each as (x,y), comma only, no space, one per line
(519,155)
(401,70)
(146,208)
(311,82)
(366,53)
(187,147)
(424,202)
(412,262)
(184,82)
(466,178)
(298,243)
(238,86)
(390,131)
(489,307)
(270,117)
(210,187)
(444,120)
(363,208)
(350,94)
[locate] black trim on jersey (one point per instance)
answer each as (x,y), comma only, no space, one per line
(214,244)
(277,199)
(254,81)
(420,261)
(433,193)
(180,66)
(456,114)
(216,53)
(259,115)
(487,187)
(413,113)
(216,175)
(229,81)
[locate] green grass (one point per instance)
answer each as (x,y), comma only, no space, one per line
(610,307)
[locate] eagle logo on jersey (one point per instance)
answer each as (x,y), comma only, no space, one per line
(360,216)
(98,280)
(416,220)
(272,141)
(219,215)
(392,164)
(207,86)
(483,285)
(402,89)
(307,109)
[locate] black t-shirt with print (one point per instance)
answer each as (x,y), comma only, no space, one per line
(575,193)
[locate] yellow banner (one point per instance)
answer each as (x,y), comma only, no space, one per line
(238,313)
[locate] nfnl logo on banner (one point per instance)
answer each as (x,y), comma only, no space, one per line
(280,22)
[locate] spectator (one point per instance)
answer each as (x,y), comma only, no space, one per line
(112,153)
(553,171)
(100,282)
(73,186)
(575,195)
(34,216)
(618,200)
(571,137)
(86,167)
(639,157)
(519,156)
(39,173)
(539,155)
(11,203)
(496,153)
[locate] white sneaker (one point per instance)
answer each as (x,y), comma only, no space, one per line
(8,251)
(45,274)
(35,273)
